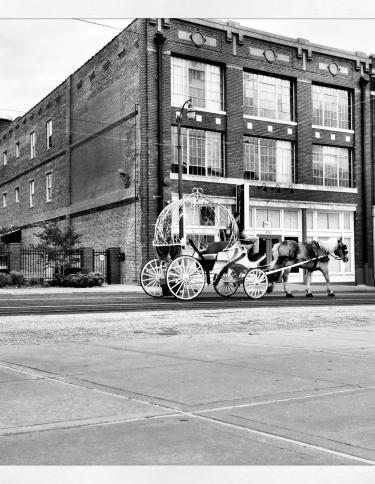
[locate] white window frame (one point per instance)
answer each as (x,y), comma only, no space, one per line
(5,157)
(17,194)
(214,96)
(32,145)
(209,150)
(324,149)
(284,168)
(49,187)
(324,93)
(18,149)
(31,193)
(49,133)
(4,200)
(278,94)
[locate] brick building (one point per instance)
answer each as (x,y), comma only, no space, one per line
(283,126)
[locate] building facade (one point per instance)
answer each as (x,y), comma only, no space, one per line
(283,130)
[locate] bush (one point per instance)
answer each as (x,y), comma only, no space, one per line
(16,278)
(90,279)
(4,279)
(36,281)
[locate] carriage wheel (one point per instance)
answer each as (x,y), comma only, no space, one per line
(185,277)
(153,277)
(255,283)
(228,284)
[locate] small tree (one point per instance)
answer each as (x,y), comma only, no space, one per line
(56,246)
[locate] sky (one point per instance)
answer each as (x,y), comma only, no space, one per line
(39,48)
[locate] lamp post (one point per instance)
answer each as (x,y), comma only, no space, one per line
(190,114)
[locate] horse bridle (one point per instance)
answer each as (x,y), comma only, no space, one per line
(333,255)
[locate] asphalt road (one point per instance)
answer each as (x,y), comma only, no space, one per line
(136,302)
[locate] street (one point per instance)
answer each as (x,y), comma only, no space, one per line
(283,385)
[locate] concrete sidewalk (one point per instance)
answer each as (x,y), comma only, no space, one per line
(137,289)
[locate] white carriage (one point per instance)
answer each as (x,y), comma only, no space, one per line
(185,264)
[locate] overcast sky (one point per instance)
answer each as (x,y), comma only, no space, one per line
(38,54)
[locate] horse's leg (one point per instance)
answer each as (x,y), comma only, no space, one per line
(324,271)
(308,284)
(285,278)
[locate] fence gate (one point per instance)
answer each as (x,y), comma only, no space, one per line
(100,262)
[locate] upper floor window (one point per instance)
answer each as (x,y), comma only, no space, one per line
(331,107)
(332,166)
(31,192)
(32,145)
(5,158)
(267,97)
(17,149)
(268,160)
(49,187)
(201,152)
(17,194)
(4,200)
(49,133)
(196,80)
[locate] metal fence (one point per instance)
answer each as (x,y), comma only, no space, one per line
(4,260)
(100,262)
(38,263)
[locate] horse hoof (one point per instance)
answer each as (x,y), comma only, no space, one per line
(309,294)
(331,294)
(289,294)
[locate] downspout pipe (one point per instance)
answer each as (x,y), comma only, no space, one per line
(159,40)
(365,214)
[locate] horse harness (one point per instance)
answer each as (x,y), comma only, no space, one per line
(313,248)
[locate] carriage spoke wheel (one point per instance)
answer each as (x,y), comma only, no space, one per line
(153,277)
(228,284)
(255,283)
(185,277)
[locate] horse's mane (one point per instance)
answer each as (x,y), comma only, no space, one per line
(329,245)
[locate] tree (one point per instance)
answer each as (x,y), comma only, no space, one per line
(56,247)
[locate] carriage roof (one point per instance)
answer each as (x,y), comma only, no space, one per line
(200,214)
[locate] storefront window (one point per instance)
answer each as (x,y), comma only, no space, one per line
(264,215)
(291,219)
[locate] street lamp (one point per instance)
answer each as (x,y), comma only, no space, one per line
(190,114)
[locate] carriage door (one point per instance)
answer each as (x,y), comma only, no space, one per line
(266,242)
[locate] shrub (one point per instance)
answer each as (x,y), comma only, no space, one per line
(4,279)
(16,278)
(90,279)
(36,281)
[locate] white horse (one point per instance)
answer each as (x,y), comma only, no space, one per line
(317,253)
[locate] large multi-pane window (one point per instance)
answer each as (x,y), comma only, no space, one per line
(197,81)
(201,152)
(332,166)
(32,145)
(331,107)
(268,159)
(267,96)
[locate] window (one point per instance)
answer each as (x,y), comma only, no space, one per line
(17,149)
(31,192)
(196,80)
(17,194)
(5,158)
(49,187)
(268,160)
(49,134)
(331,107)
(32,145)
(4,200)
(201,152)
(267,97)
(332,166)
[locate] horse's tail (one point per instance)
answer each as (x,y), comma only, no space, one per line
(275,256)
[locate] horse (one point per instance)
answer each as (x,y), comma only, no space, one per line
(318,254)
